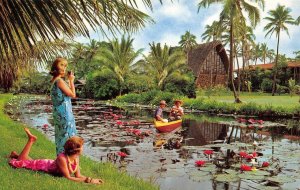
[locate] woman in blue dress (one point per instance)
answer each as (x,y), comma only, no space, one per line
(61,94)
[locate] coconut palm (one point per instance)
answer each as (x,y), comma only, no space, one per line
(162,63)
(278,21)
(120,58)
(33,21)
(213,32)
(264,51)
(297,55)
(232,9)
(188,41)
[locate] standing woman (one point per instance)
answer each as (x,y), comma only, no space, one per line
(61,94)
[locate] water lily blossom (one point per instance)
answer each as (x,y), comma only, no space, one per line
(122,154)
(243,154)
(200,163)
(208,152)
(265,164)
(246,167)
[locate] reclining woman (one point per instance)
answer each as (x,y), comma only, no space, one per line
(66,164)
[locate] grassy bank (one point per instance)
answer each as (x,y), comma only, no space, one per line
(253,103)
(14,138)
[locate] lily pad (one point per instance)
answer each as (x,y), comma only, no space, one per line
(259,173)
(248,175)
(226,177)
(200,176)
(281,179)
(209,168)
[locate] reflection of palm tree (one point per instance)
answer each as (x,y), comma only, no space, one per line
(232,9)
(162,63)
(278,20)
(120,58)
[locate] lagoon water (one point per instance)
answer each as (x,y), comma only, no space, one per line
(153,156)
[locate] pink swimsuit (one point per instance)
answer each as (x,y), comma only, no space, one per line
(45,165)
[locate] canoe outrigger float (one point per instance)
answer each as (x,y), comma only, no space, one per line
(167,127)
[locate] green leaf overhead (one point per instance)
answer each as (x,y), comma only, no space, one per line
(24,23)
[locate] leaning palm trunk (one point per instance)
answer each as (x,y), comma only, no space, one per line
(275,67)
(236,97)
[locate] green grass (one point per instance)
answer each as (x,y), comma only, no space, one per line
(14,138)
(260,99)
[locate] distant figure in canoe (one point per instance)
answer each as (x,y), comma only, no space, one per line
(177,111)
(158,115)
(66,164)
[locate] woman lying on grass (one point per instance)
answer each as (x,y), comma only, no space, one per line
(66,163)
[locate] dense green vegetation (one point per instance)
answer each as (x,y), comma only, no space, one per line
(218,101)
(14,138)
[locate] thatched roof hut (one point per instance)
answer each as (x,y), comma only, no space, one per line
(209,63)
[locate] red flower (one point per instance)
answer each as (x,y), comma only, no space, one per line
(122,154)
(118,122)
(254,154)
(252,121)
(208,152)
(243,154)
(251,127)
(45,126)
(245,168)
(200,163)
(241,120)
(265,164)
(249,156)
(260,121)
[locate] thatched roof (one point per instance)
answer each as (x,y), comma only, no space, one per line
(198,55)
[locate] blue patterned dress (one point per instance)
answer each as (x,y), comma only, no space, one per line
(63,118)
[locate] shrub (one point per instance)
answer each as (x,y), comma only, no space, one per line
(266,85)
(101,85)
(130,98)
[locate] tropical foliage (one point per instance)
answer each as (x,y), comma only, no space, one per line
(28,32)
(278,21)
(162,63)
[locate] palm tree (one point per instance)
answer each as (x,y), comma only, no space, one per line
(264,51)
(188,41)
(32,21)
(28,27)
(297,55)
(213,31)
(232,9)
(162,63)
(120,58)
(278,19)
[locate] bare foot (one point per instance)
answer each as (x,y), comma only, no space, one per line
(14,154)
(31,137)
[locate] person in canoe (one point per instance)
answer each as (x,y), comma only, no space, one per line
(177,111)
(158,115)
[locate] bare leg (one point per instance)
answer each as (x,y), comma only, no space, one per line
(25,152)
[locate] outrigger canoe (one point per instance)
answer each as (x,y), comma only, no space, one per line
(167,127)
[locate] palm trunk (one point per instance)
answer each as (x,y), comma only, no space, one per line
(275,66)
(237,100)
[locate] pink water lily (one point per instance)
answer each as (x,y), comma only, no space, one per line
(243,154)
(199,163)
(265,164)
(245,167)
(122,154)
(118,122)
(208,152)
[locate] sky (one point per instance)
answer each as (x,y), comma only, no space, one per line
(173,19)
